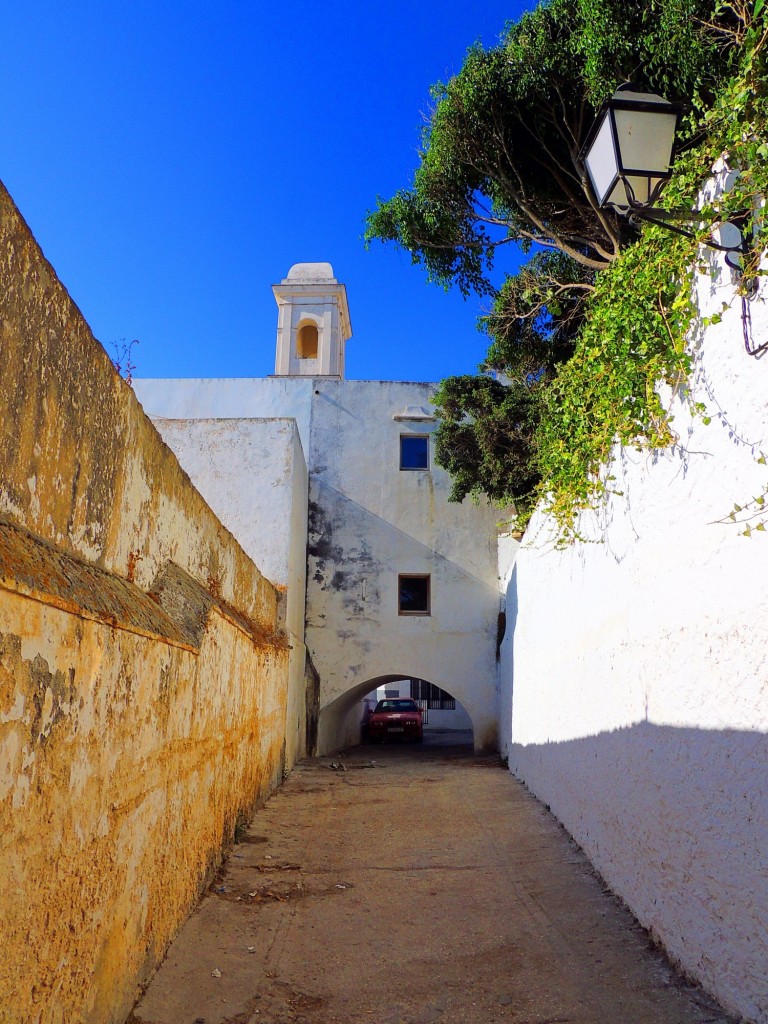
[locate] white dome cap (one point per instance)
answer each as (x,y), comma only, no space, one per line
(310,273)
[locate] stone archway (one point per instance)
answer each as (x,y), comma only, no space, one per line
(341,720)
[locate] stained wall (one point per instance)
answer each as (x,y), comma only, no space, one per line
(368,522)
(634,672)
(143,668)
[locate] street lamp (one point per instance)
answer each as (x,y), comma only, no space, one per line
(628,152)
(627,156)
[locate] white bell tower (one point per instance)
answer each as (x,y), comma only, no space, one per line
(313,323)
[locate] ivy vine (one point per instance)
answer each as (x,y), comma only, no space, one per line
(633,339)
(752,516)
(637,328)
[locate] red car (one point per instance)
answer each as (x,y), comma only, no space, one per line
(395,718)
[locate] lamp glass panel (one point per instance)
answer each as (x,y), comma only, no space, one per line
(618,195)
(601,161)
(642,185)
(645,139)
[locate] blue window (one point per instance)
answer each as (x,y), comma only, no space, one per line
(414,451)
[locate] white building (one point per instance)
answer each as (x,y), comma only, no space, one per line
(330,485)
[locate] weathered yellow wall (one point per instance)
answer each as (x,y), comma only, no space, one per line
(133,730)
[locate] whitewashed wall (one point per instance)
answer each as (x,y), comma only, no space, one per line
(448,721)
(370,521)
(253,474)
(634,677)
(247,470)
(228,398)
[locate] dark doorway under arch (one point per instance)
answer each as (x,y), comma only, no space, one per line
(343,721)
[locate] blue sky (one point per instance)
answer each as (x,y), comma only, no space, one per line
(174,160)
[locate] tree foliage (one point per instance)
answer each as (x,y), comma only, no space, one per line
(500,153)
(499,167)
(484,438)
(536,316)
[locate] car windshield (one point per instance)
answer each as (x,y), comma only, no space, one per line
(396,705)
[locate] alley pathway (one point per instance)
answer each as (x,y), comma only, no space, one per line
(419,885)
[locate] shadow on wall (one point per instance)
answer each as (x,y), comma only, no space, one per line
(312,704)
(676,820)
(505,659)
(342,722)
(333,514)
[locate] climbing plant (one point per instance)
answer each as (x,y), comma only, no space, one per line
(582,339)
(752,515)
(637,324)
(632,340)
(122,360)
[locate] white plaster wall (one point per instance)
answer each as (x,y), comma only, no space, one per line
(245,470)
(370,521)
(296,708)
(229,398)
(452,721)
(508,546)
(253,474)
(634,677)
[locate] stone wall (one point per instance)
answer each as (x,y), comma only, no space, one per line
(636,671)
(143,668)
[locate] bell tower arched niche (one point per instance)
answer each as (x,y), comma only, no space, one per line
(313,324)
(307,338)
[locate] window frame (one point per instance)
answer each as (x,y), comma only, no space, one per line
(423,613)
(415,469)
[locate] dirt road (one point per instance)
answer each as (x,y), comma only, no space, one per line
(419,885)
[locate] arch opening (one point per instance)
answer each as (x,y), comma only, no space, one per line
(343,722)
(307,340)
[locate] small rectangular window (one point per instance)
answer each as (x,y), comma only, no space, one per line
(414,451)
(413,597)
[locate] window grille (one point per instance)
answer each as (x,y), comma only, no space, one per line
(434,698)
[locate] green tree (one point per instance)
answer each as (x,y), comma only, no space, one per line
(484,438)
(499,163)
(499,167)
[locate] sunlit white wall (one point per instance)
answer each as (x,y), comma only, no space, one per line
(635,673)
